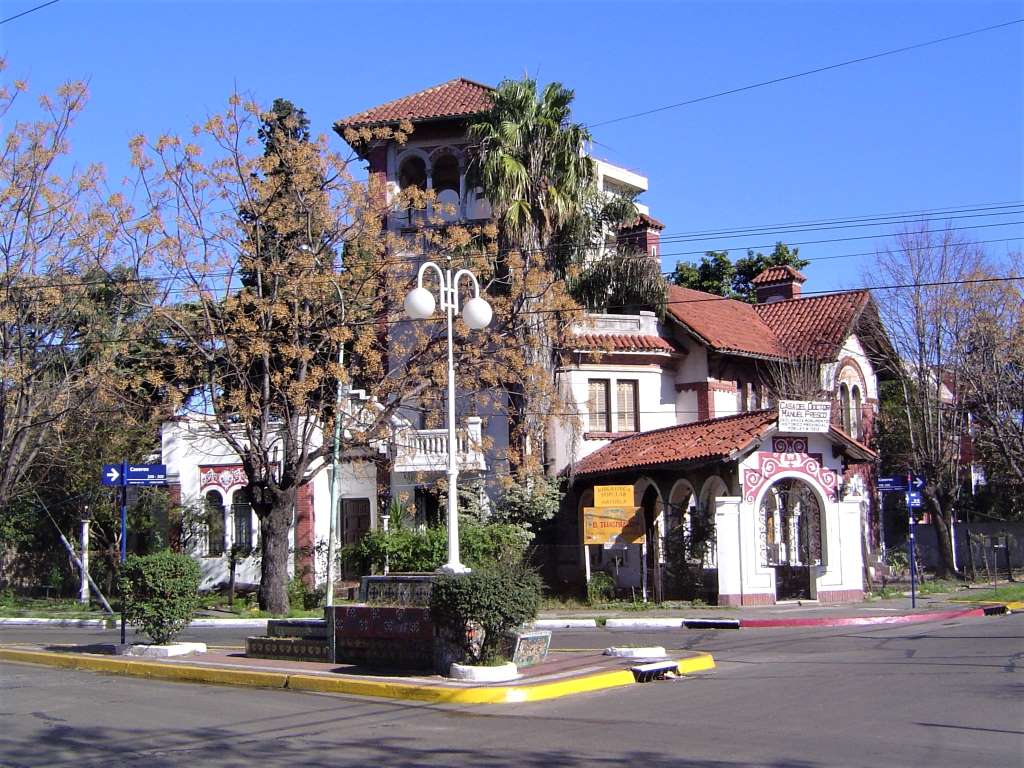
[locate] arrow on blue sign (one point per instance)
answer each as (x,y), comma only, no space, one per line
(111,474)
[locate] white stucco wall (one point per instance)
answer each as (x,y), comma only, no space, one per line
(189,444)
(656,397)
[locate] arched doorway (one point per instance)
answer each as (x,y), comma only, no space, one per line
(789,525)
(652,509)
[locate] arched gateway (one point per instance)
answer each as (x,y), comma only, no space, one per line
(789,531)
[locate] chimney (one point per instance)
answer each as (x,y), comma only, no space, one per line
(778,284)
(644,235)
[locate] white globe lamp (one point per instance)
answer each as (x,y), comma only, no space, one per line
(477,313)
(419,304)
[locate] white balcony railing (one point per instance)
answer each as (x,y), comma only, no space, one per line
(426,450)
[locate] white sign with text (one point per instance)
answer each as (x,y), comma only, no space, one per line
(804,416)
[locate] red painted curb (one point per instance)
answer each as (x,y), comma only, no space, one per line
(858,621)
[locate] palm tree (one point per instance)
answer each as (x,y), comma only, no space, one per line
(551,219)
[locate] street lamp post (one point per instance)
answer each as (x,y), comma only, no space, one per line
(339,391)
(476,313)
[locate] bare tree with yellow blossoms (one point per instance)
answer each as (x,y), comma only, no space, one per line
(64,287)
(273,258)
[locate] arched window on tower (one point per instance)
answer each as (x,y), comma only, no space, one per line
(412,175)
(844,407)
(856,409)
(445,183)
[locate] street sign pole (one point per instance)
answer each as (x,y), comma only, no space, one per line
(910,544)
(124,511)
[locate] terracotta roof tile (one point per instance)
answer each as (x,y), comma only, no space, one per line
(782,274)
(702,440)
(724,324)
(815,325)
(456,98)
(644,220)
(623,342)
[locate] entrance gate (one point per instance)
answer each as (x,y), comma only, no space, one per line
(789,522)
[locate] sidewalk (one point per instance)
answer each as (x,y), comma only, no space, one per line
(562,674)
(792,614)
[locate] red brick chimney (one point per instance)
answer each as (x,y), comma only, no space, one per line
(644,234)
(778,284)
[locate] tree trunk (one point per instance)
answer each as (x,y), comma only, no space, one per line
(274,527)
(944,565)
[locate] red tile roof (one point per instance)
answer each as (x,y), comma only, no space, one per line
(782,274)
(815,325)
(456,98)
(644,220)
(713,439)
(623,342)
(724,324)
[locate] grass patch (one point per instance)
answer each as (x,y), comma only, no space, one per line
(1010,593)
(12,607)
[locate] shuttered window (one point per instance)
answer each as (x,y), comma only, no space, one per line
(598,406)
(627,405)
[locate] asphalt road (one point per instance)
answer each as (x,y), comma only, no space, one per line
(935,694)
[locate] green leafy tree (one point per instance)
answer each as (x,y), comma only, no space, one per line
(718,274)
(714,274)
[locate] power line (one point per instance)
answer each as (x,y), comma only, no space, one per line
(409,257)
(707,298)
(26,13)
(805,73)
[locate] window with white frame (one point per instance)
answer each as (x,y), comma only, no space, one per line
(213,505)
(241,513)
(627,403)
(599,405)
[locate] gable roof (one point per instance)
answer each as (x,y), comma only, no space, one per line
(816,325)
(723,324)
(713,439)
(813,326)
(459,97)
(781,274)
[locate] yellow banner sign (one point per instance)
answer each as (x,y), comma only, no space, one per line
(613,525)
(613,495)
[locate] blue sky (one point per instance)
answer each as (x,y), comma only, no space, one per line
(936,127)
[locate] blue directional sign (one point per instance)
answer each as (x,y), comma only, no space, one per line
(915,500)
(899,483)
(111,474)
(145,474)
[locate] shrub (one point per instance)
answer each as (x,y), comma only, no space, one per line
(410,550)
(600,588)
(160,592)
(499,599)
(300,595)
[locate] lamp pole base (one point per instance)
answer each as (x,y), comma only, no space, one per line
(454,568)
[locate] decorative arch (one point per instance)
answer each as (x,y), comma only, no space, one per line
(790,522)
(413,169)
(713,487)
(682,498)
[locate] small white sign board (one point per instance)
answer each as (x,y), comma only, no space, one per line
(804,416)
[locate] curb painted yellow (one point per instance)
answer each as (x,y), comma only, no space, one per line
(151,669)
(431,694)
